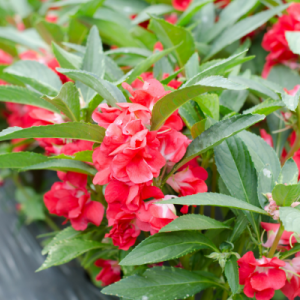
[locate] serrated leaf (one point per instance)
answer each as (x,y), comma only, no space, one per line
(216,134)
(242,28)
(86,156)
(64,165)
(171,35)
(17,160)
(36,75)
(65,234)
(266,183)
(291,252)
(104,88)
(289,173)
(148,62)
(215,67)
(209,104)
(239,227)
(291,101)
(190,114)
(22,95)
(201,126)
(130,51)
(233,100)
(167,246)
(67,250)
(161,283)
(67,101)
(236,168)
(293,39)
(232,274)
(172,101)
(192,66)
(290,218)
(70,130)
(214,199)
(261,153)
(66,59)
(285,195)
(265,108)
(193,222)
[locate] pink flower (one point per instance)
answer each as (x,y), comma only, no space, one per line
(272,208)
(76,146)
(261,277)
(172,18)
(129,151)
(291,288)
(154,215)
(275,41)
(272,229)
(70,199)
(267,137)
(131,196)
(5,58)
(181,5)
(110,273)
(106,116)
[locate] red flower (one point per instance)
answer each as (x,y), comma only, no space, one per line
(70,199)
(5,58)
(272,229)
(261,277)
(172,18)
(222,3)
(76,146)
(275,41)
(110,273)
(181,5)
(131,197)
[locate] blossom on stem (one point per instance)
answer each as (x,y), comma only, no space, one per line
(291,288)
(110,273)
(261,277)
(71,199)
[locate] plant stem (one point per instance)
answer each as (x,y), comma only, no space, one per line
(51,224)
(225,295)
(276,241)
(190,298)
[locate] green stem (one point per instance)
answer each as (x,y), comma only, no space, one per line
(190,298)
(225,295)
(51,224)
(276,241)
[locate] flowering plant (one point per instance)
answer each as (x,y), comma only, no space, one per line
(175,165)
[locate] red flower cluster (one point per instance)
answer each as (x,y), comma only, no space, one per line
(275,42)
(71,199)
(110,273)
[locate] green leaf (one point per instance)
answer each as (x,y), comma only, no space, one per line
(236,168)
(239,227)
(199,127)
(189,113)
(289,253)
(66,59)
(36,75)
(171,35)
(50,31)
(161,283)
(104,88)
(214,199)
(192,9)
(93,62)
(290,217)
(148,62)
(64,165)
(293,39)
(172,101)
(209,104)
(242,28)
(159,9)
(289,173)
(86,156)
(32,203)
(234,100)
(255,87)
(193,222)
(70,130)
(167,246)
(261,153)
(67,250)
(112,70)
(17,160)
(290,101)
(266,183)
(67,101)
(265,108)
(232,274)
(65,234)
(192,66)
(216,134)
(278,131)
(285,195)
(16,94)
(215,67)
(228,16)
